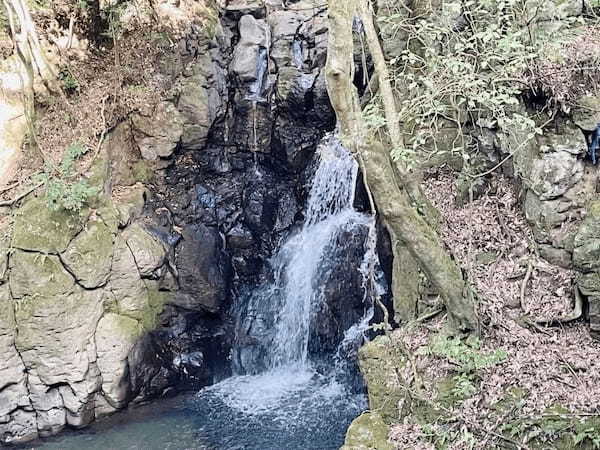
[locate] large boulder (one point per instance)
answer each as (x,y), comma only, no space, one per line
(56,341)
(203,271)
(128,289)
(89,256)
(199,104)
(115,337)
(158,134)
(586,252)
(367,432)
(254,35)
(147,249)
(586,114)
(379,364)
(55,334)
(37,275)
(554,174)
(39,228)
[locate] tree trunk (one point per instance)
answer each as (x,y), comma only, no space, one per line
(405,224)
(28,47)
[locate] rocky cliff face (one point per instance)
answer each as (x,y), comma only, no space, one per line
(131,297)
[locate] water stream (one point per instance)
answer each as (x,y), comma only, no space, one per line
(284,394)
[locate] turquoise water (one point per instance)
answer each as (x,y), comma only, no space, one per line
(308,411)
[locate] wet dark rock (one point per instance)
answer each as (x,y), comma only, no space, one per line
(203,269)
(341,283)
(240,237)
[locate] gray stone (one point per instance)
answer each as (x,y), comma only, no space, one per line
(56,334)
(586,252)
(89,255)
(567,139)
(157,135)
(13,389)
(544,216)
(587,113)
(284,24)
(35,274)
(199,105)
(148,251)
(78,398)
(556,256)
(48,405)
(115,337)
(130,204)
(38,228)
(125,283)
(254,34)
(554,174)
(21,426)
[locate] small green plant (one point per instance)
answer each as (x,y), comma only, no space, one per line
(468,358)
(467,354)
(70,83)
(592,434)
(64,187)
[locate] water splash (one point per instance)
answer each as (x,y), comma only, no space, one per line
(274,322)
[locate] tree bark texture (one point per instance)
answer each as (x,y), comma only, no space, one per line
(405,224)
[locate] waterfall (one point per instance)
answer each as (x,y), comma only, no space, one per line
(278,379)
(277,317)
(329,209)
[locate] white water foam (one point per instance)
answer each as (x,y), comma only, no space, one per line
(289,383)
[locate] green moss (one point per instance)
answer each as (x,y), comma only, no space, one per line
(513,398)
(128,328)
(39,228)
(109,213)
(380,364)
(156,303)
(34,274)
(367,432)
(142,171)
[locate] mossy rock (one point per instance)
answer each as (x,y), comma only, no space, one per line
(39,228)
(56,332)
(586,252)
(367,432)
(35,274)
(89,255)
(156,303)
(142,171)
(108,212)
(586,114)
(4,250)
(130,204)
(380,363)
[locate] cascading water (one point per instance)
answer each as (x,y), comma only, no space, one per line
(281,390)
(287,392)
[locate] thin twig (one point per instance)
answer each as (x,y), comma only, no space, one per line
(524,283)
(21,196)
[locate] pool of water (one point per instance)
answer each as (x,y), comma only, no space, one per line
(277,410)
